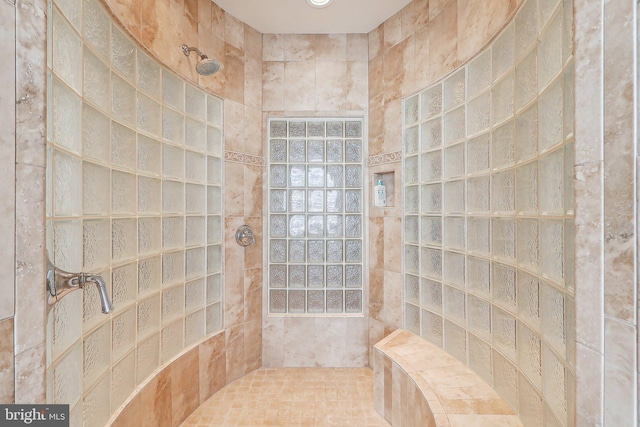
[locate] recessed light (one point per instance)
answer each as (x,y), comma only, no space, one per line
(319,3)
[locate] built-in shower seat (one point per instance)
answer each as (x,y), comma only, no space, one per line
(418,384)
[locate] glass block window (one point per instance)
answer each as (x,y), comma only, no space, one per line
(316,207)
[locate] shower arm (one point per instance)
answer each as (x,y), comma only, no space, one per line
(60,283)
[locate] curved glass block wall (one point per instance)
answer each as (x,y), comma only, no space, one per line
(315,216)
(134,176)
(488,223)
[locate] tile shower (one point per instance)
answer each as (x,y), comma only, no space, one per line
(488,224)
(134,174)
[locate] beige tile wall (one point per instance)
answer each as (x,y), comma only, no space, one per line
(314,75)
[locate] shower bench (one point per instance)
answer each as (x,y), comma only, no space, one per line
(419,384)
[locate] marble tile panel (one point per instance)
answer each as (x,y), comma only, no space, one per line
(212,366)
(357,342)
(218,17)
(619,373)
(329,345)
(253,183)
(357,47)
(421,8)
(235,352)
(155,398)
(130,414)
(392,127)
(376,41)
(376,294)
(393,299)
(376,131)
(234,74)
(253,253)
(233,297)
(272,47)
(30,384)
(409,15)
(377,240)
(272,339)
(234,189)
(253,83)
(392,30)
(392,245)
(234,31)
(330,85)
(298,345)
(299,88)
(191,7)
(330,47)
(252,295)
(185,385)
(479,22)
(589,380)
(356,87)
(436,7)
(422,64)
(127,14)
(252,345)
(443,50)
(204,15)
(299,47)
(7,367)
(376,82)
(273,86)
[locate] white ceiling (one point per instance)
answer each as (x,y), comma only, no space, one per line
(298,17)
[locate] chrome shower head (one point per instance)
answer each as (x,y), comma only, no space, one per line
(206,66)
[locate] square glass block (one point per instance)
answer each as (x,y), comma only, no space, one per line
(195,167)
(149,76)
(454,196)
(123,54)
(454,305)
(454,90)
(172,197)
(503,51)
(527,134)
(334,251)
(214,170)
(195,134)
(297,226)
(67,52)
(149,235)
(123,100)
(431,134)
(353,301)
(530,354)
(353,225)
(297,150)
(316,151)
(316,128)
(527,80)
(411,109)
(480,358)
(411,140)
(479,276)
(67,182)
(430,166)
(478,233)
(214,199)
(315,226)
(297,128)
(278,250)
(454,125)
(278,201)
(431,327)
(277,301)
(195,103)
(149,155)
(503,142)
(527,243)
(552,250)
(353,128)
(431,295)
(334,178)
(123,146)
(479,74)
(412,318)
(123,241)
(213,318)
(503,237)
(296,276)
(277,276)
(430,198)
(431,263)
(454,164)
(479,114)
(95,244)
(431,102)
(334,276)
(196,230)
(315,251)
(278,129)
(96,27)
(96,135)
(504,332)
(353,176)
(297,176)
(66,118)
(554,384)
(316,176)
(478,154)
(315,301)
(278,150)
(502,107)
(527,188)
(455,340)
(454,231)
(353,150)
(551,183)
(149,193)
(531,406)
(335,225)
(503,191)
(454,269)
(479,316)
(411,229)
(353,201)
(550,51)
(315,201)
(478,195)
(335,301)
(431,230)
(315,276)
(504,286)
(353,251)
(296,252)
(172,90)
(411,259)
(528,299)
(96,81)
(214,229)
(505,379)
(550,122)
(353,276)
(526,26)
(214,288)
(335,151)
(172,161)
(214,141)
(172,126)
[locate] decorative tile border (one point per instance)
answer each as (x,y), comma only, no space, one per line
(384,158)
(232,156)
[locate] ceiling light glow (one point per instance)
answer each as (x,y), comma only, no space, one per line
(319,3)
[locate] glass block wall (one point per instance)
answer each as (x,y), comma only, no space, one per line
(488,223)
(134,193)
(315,216)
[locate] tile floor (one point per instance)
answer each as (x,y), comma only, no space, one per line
(291,397)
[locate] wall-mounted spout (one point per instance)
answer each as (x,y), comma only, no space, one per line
(60,283)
